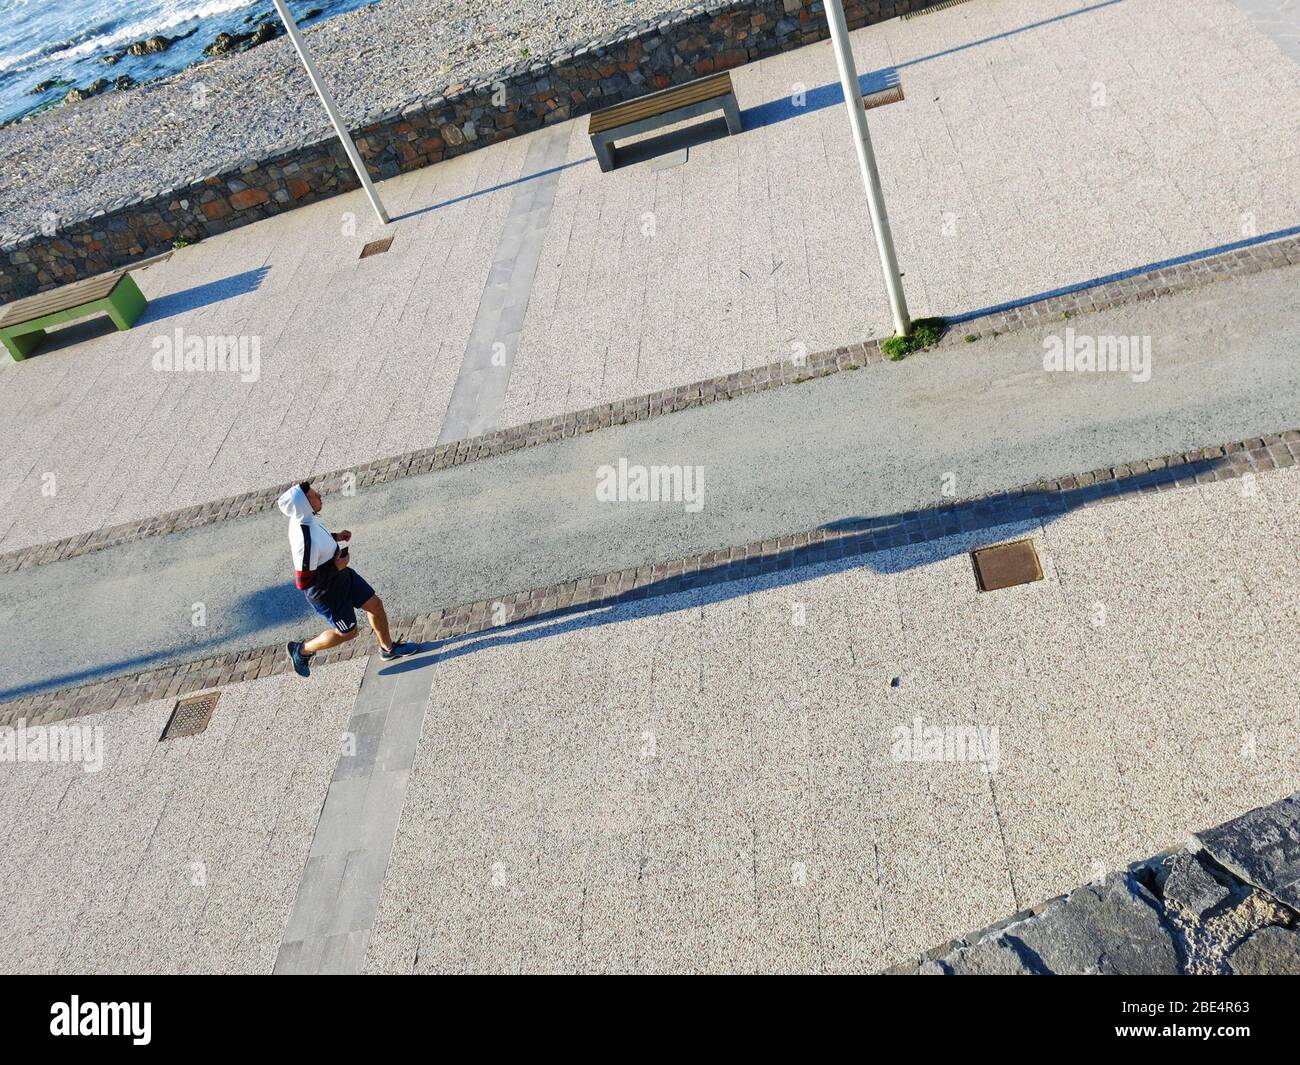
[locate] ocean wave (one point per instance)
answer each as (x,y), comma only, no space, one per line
(110,34)
(9,62)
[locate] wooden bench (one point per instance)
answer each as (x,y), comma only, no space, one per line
(662,108)
(23,322)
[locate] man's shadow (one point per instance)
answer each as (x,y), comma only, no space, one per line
(891,543)
(266,609)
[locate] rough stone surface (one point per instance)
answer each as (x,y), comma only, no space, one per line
(1177,913)
(1111,929)
(1191,887)
(1208,943)
(992,957)
(1271,951)
(1261,848)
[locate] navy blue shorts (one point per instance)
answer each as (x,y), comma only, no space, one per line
(339,599)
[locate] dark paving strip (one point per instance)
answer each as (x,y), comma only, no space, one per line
(1279,20)
(1042,500)
(329,927)
(480,389)
(1126,289)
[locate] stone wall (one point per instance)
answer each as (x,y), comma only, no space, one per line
(534,93)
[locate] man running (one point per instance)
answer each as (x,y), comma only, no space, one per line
(331,585)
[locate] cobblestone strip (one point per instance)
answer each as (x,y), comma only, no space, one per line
(844,540)
(1160,282)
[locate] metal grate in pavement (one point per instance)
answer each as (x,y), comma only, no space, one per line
(376,247)
(892,95)
(190,716)
(1006,565)
(933,8)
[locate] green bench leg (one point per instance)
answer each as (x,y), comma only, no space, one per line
(22,344)
(126,303)
(123,305)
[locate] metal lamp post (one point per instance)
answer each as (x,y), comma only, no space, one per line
(867,164)
(332,110)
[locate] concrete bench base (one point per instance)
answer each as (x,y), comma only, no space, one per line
(603,143)
(124,304)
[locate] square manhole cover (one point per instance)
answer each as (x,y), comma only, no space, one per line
(190,716)
(1006,565)
(376,247)
(892,95)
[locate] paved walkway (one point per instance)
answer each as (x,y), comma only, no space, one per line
(328,930)
(181,856)
(705,784)
(1041,142)
(705,781)
(963,419)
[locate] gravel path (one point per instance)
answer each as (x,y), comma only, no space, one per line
(157,135)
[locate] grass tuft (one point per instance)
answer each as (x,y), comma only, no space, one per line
(926,332)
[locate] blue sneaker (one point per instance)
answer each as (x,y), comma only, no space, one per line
(400,649)
(300,661)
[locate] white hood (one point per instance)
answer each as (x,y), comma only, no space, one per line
(293,504)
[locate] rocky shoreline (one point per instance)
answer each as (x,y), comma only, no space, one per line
(251,97)
(266,28)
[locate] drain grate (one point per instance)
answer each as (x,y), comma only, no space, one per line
(933,8)
(376,247)
(892,95)
(190,716)
(1006,565)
